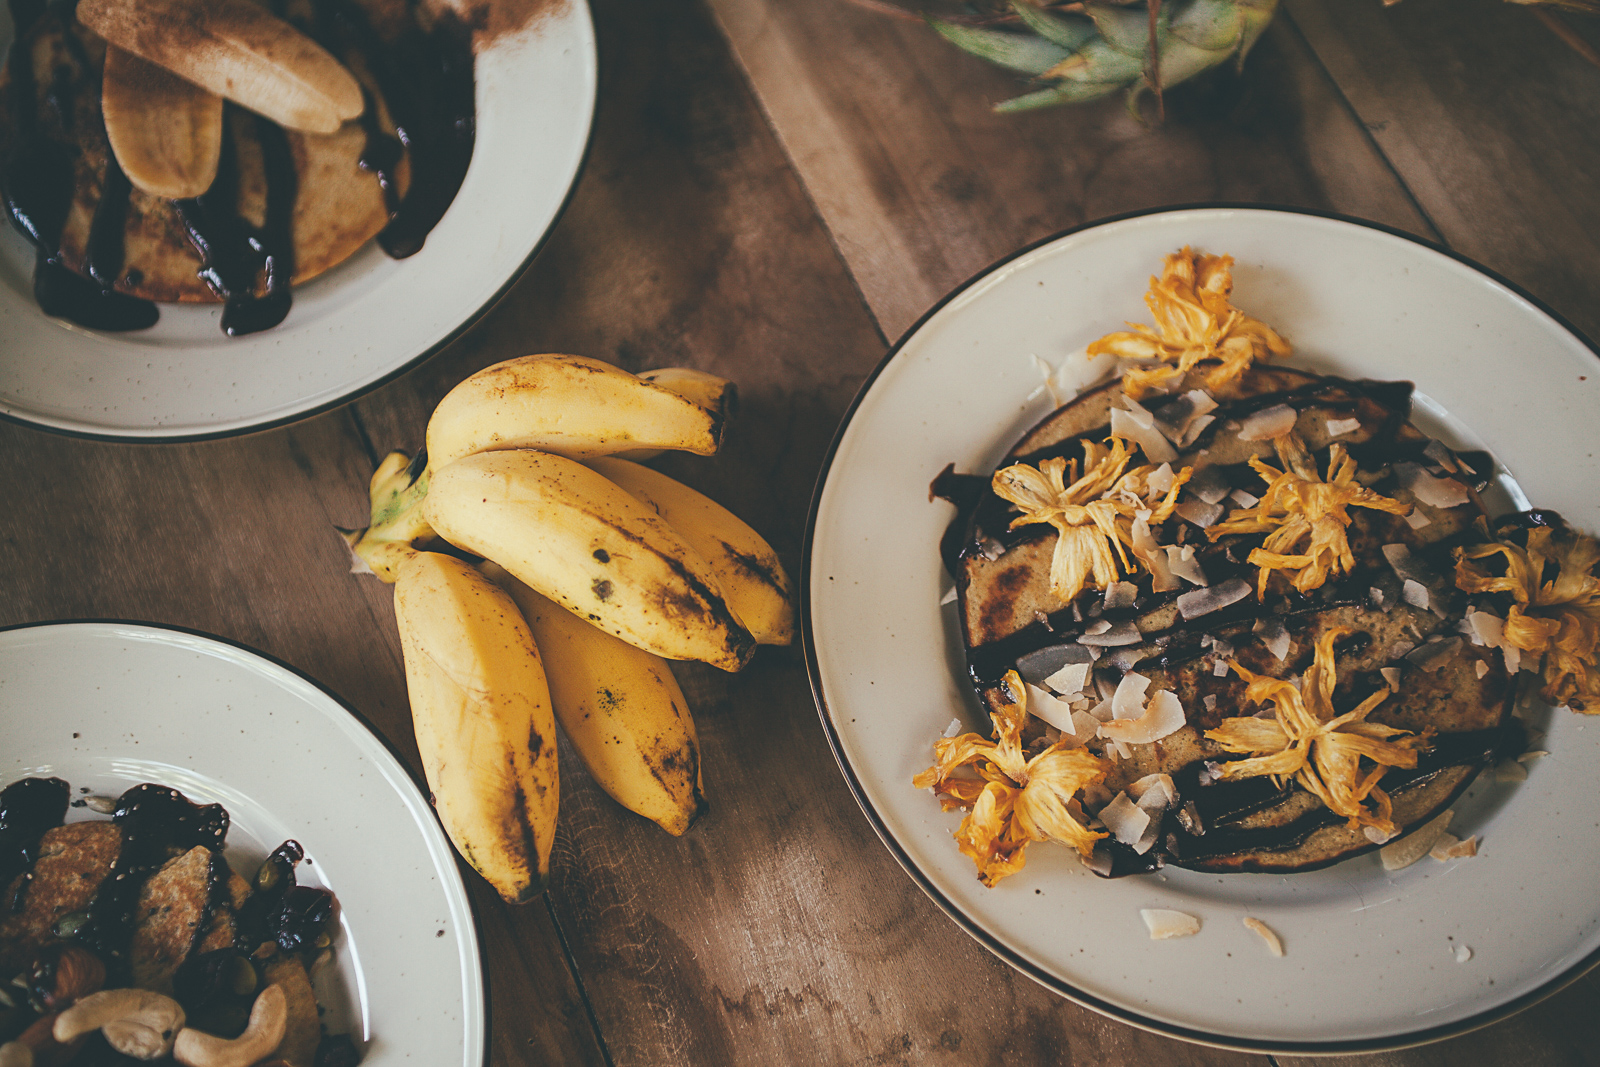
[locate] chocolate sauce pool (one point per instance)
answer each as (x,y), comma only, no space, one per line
(426,78)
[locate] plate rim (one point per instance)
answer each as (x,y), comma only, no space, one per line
(417,781)
(1054,983)
(359,392)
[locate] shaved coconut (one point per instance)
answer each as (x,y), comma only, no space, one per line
(1196,428)
(1209,484)
(1043,705)
(1417,519)
(1275,636)
(1210,700)
(1101,712)
(1415,594)
(1069,679)
(1415,845)
(1084,726)
(1137,411)
(1377,596)
(1244,499)
(1203,601)
(1154,559)
(1128,701)
(1511,771)
(1268,423)
(1463,953)
(1456,850)
(1481,667)
(1120,595)
(1160,479)
(1126,424)
(1183,419)
(949,597)
(1431,656)
(1340,427)
(1532,754)
(1221,647)
(1440,453)
(1513,656)
(1199,513)
(1487,628)
(1432,491)
(1220,668)
(1162,716)
(1124,819)
(1182,561)
(1095,628)
(1274,945)
(1154,790)
(1401,649)
(1122,633)
(1441,848)
(953,729)
(1407,565)
(1375,835)
(1105,686)
(1164,923)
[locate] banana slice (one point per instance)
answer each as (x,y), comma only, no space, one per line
(165,131)
(237,50)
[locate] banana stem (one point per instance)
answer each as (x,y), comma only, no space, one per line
(397,529)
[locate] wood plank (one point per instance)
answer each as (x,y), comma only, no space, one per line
(236,538)
(1489,120)
(778,929)
(922,185)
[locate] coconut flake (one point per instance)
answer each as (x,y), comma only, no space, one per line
(1274,635)
(1415,845)
(1256,926)
(1209,484)
(1511,771)
(1160,480)
(1154,791)
(1148,552)
(1162,716)
(1127,702)
(1113,634)
(1203,601)
(1432,655)
(949,597)
(1268,423)
(1463,953)
(1513,657)
(1375,835)
(1220,668)
(1415,594)
(1210,700)
(1377,596)
(953,729)
(1164,923)
(1120,595)
(1199,512)
(1440,453)
(1481,667)
(1244,499)
(1124,819)
(1340,427)
(1182,562)
(1070,679)
(1183,419)
(1433,491)
(1044,705)
(1532,754)
(1417,519)
(1487,629)
(1407,565)
(1450,848)
(1141,430)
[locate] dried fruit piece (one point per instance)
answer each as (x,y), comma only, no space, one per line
(1194,321)
(1163,923)
(1274,944)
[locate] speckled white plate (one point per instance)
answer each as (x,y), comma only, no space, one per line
(351,329)
(107,705)
(1372,957)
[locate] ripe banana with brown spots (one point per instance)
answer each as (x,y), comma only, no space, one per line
(590,546)
(620,707)
(481,708)
(751,576)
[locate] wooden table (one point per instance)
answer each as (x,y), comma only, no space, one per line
(777,189)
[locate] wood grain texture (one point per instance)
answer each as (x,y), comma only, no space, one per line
(922,185)
(1489,120)
(235,538)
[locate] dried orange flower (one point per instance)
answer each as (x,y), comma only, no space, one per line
(1321,751)
(1093,515)
(1303,516)
(1014,800)
(1194,321)
(1558,619)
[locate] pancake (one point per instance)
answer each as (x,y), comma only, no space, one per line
(286,206)
(1453,694)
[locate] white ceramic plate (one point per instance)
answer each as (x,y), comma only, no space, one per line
(350,329)
(107,705)
(1371,956)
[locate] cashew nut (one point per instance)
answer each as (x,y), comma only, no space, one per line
(269,1017)
(15,1054)
(136,1022)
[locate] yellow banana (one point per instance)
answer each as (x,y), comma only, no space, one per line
(587,544)
(620,707)
(571,406)
(707,390)
(397,529)
(166,132)
(752,578)
(481,708)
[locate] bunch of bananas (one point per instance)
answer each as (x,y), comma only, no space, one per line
(593,571)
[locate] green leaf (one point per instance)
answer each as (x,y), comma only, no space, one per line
(1256,17)
(1014,51)
(1068,32)
(1097,61)
(1210,24)
(1064,93)
(1127,29)
(1181,60)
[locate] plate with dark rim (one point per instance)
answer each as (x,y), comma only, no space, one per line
(107,705)
(1374,959)
(349,330)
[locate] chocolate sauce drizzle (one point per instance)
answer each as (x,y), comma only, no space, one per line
(426,78)
(28,808)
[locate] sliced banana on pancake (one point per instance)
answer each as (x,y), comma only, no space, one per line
(166,132)
(237,50)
